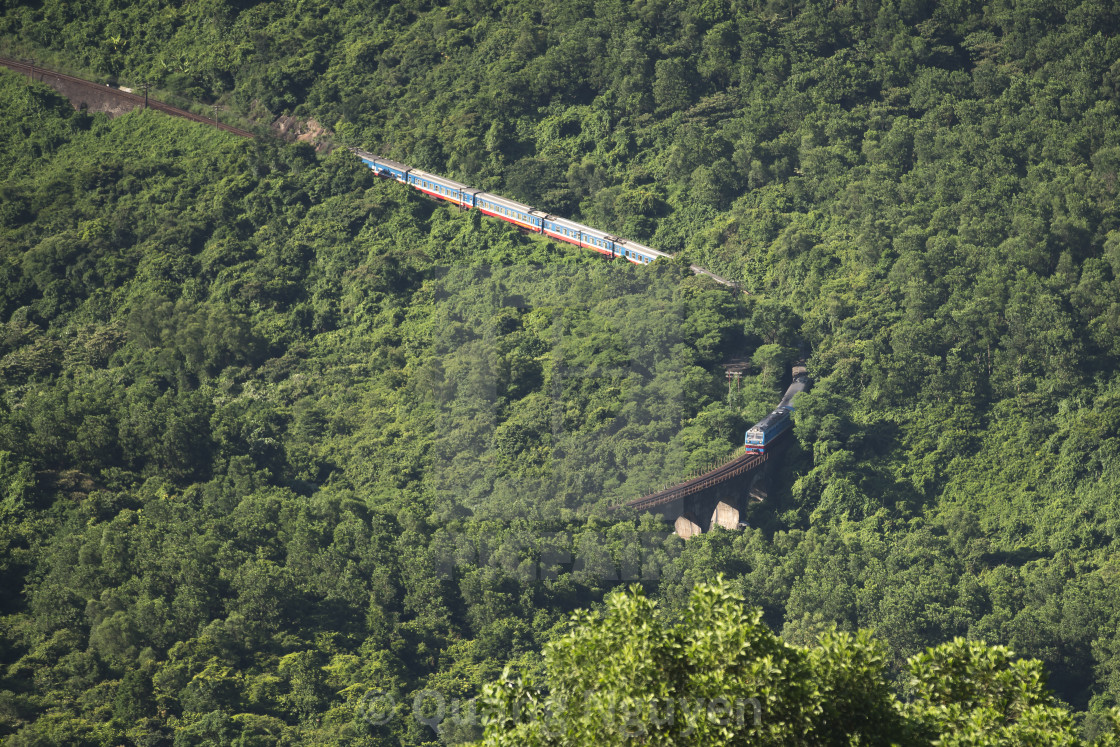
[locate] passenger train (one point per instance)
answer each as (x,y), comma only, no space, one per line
(517,213)
(760,436)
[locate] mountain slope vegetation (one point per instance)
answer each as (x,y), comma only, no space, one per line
(925,194)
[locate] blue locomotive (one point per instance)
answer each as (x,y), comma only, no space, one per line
(763,433)
(517,213)
(766,431)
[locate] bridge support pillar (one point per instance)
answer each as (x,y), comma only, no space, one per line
(725,515)
(687,526)
(724,505)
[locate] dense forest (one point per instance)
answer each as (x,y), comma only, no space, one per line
(275,434)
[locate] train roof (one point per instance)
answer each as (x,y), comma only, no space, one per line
(799,385)
(772,419)
(511,204)
(571,225)
(378,159)
(634,246)
(443,181)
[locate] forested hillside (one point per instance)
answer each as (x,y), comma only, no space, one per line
(329,387)
(275,433)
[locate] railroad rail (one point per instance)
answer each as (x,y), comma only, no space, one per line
(103,89)
(723,473)
(698,270)
(43,73)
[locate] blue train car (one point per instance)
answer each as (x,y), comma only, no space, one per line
(443,188)
(383,166)
(517,213)
(764,432)
(578,234)
(639,254)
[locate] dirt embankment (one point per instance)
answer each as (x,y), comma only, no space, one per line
(309,131)
(97,97)
(90,97)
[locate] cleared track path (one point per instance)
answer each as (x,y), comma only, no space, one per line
(45,76)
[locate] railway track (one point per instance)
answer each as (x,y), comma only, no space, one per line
(44,75)
(725,472)
(720,474)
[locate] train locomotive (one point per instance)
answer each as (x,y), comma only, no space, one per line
(518,213)
(765,432)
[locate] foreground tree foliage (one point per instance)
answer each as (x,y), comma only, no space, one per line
(718,676)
